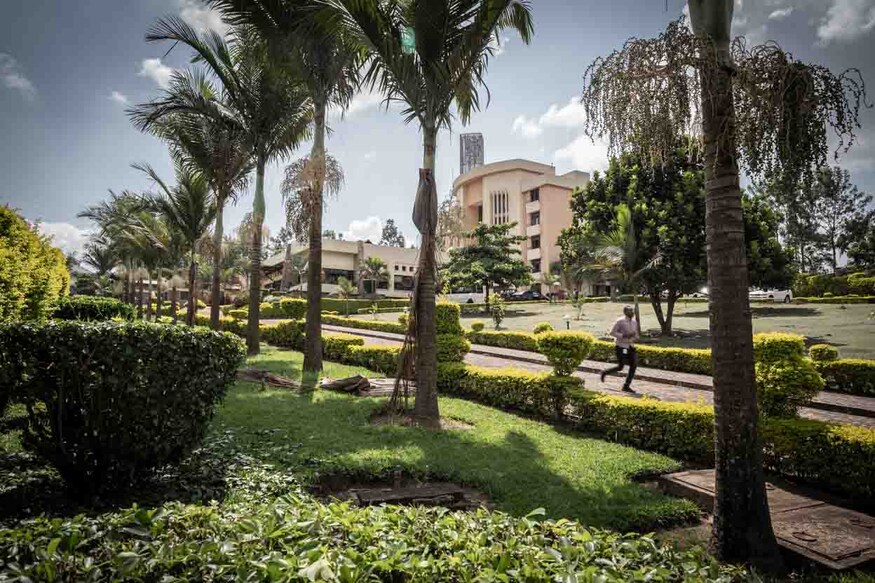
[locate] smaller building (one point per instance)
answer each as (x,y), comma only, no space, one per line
(344,259)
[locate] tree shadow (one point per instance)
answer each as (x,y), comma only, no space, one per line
(763,312)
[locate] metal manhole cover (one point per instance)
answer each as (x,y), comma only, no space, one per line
(827,533)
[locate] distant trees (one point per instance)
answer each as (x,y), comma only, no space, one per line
(391,235)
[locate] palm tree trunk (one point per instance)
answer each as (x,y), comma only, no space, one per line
(216,290)
(252,332)
(149,297)
(140,300)
(742,528)
(192,291)
(425,408)
(173,303)
(158,313)
(313,330)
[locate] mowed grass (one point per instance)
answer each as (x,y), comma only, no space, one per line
(849,328)
(519,463)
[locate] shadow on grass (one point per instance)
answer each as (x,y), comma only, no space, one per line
(762,312)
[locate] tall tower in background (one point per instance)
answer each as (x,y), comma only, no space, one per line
(470,152)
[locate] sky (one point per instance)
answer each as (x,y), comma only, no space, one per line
(68,71)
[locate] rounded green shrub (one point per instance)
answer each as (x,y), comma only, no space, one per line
(784,386)
(823,353)
(293,308)
(477,325)
(33,274)
(110,402)
(239,314)
(452,348)
(542,327)
(828,294)
(775,346)
(565,350)
(288,334)
(93,308)
(447,318)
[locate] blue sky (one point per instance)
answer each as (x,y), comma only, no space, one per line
(69,69)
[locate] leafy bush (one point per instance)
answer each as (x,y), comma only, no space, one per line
(542,327)
(109,402)
(354,305)
(376,325)
(565,350)
(231,325)
(784,386)
(823,353)
(382,359)
(496,309)
(452,348)
(514,340)
(537,394)
(293,308)
(447,318)
(836,300)
(848,375)
(477,325)
(33,274)
(777,346)
(239,314)
(404,319)
(861,285)
(288,334)
(336,346)
(93,308)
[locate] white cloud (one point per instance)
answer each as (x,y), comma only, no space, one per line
(202,18)
(570,115)
(499,45)
(157,71)
(781,13)
(13,78)
(847,20)
(69,238)
(120,98)
(370,229)
(370,155)
(583,154)
(363,101)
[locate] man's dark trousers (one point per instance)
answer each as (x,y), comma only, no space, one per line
(625,357)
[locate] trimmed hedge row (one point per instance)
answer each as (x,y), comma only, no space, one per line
(821,285)
(92,308)
(854,376)
(836,300)
(110,402)
(362,324)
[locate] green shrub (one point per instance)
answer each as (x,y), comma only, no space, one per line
(287,334)
(542,327)
(354,305)
(93,308)
(784,386)
(869,299)
(447,318)
(231,325)
(33,274)
(496,309)
(823,353)
(226,308)
(542,394)
(336,346)
(564,350)
(452,348)
(109,402)
(477,325)
(861,285)
(239,314)
(855,376)
(293,308)
(376,325)
(404,319)
(776,346)
(514,340)
(382,359)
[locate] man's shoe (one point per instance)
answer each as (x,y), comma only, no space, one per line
(627,389)
(602,376)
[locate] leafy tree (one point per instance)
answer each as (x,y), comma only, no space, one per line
(492,260)
(769,265)
(279,242)
(373,269)
(755,106)
(345,288)
(838,202)
(444,65)
(859,239)
(391,235)
(100,256)
(332,234)
(451,222)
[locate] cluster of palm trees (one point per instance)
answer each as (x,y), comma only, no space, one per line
(253,96)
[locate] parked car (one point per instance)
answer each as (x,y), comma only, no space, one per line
(466,297)
(776,295)
(529,295)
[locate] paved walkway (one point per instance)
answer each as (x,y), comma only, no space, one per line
(661,384)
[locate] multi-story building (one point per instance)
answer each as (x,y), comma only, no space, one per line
(527,193)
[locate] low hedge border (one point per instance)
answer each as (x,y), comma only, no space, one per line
(836,300)
(92,308)
(854,376)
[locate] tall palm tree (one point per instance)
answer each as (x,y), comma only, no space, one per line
(100,255)
(444,65)
(203,139)
(262,99)
(327,63)
(188,209)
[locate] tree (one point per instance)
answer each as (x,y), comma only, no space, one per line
(391,235)
(345,288)
(451,223)
(189,209)
(492,260)
(838,202)
(332,235)
(444,65)
(100,256)
(757,107)
(262,100)
(859,240)
(280,242)
(769,265)
(373,269)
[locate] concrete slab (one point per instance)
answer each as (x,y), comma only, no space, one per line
(836,537)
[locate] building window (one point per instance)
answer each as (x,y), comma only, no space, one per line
(404,282)
(536,265)
(535,242)
(500,207)
(480,213)
(535,218)
(535,195)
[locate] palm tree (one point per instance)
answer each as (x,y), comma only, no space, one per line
(205,142)
(100,256)
(327,64)
(262,99)
(444,65)
(373,269)
(618,255)
(345,288)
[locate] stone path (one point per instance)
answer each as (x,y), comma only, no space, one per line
(661,384)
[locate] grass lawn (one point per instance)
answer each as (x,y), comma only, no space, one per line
(849,328)
(519,463)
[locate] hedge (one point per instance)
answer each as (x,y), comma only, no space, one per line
(33,274)
(377,325)
(452,348)
(354,305)
(514,340)
(836,300)
(92,308)
(820,285)
(565,350)
(110,402)
(855,376)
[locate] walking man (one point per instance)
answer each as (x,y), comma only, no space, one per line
(625,333)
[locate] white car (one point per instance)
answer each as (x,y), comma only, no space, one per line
(776,295)
(465,297)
